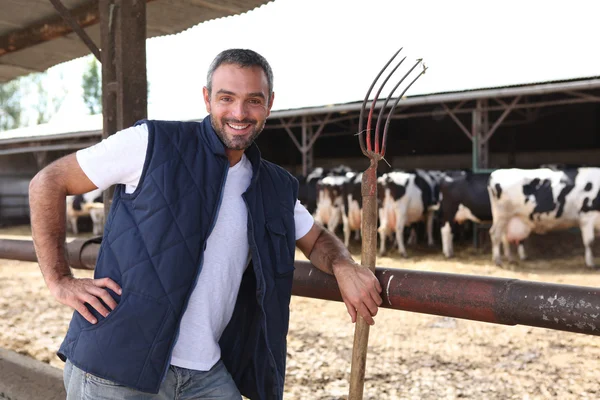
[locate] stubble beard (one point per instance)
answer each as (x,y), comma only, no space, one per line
(237,142)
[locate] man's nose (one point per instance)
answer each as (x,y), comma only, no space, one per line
(239,111)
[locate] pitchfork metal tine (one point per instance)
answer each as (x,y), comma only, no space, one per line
(370,119)
(387,121)
(364,104)
(382,110)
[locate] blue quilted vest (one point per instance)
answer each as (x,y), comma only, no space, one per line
(153,247)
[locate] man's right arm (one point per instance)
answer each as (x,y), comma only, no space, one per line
(47,202)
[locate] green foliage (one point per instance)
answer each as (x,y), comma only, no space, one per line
(47,104)
(10,105)
(92,87)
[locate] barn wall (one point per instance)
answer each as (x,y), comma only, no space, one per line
(16,171)
(561,134)
(462,161)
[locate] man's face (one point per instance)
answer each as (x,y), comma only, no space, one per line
(239,104)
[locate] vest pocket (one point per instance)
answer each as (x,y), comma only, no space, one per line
(119,347)
(278,243)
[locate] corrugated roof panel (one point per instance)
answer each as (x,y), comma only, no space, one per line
(164,17)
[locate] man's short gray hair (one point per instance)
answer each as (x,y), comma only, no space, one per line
(243,58)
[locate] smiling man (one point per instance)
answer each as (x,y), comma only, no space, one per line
(238,117)
(190,296)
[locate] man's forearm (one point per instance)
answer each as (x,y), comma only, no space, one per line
(329,251)
(47,205)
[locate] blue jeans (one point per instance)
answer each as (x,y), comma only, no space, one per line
(179,384)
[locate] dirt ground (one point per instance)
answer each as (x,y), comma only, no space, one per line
(411,356)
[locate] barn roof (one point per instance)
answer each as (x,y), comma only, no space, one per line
(536,88)
(87,130)
(33,36)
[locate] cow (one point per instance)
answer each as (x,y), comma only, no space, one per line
(464,196)
(307,185)
(331,206)
(307,188)
(543,200)
(407,197)
(83,205)
(352,213)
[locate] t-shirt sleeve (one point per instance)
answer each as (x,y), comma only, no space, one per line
(118,159)
(303,220)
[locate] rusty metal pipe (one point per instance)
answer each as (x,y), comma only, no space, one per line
(488,299)
(479,298)
(17,250)
(81,253)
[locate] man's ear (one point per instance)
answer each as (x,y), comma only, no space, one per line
(271,98)
(206,96)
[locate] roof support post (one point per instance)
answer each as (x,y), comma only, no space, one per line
(107,13)
(308,137)
(306,149)
(130,56)
(480,127)
(124,82)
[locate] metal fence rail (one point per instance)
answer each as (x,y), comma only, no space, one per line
(479,298)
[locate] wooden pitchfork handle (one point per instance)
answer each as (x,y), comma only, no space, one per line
(375,151)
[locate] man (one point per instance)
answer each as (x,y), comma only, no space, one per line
(190,298)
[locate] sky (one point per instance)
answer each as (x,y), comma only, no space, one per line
(328,51)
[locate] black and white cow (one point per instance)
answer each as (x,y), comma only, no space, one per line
(331,207)
(86,205)
(464,197)
(307,188)
(543,200)
(407,197)
(352,215)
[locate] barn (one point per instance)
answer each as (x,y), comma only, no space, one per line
(516,126)
(434,352)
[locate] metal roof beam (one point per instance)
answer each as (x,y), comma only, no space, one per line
(49,29)
(292,136)
(69,19)
(319,131)
(524,106)
(292,124)
(457,121)
(584,95)
(538,89)
(502,117)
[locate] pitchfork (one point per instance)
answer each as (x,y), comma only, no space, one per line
(375,151)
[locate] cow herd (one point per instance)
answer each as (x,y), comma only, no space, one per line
(516,202)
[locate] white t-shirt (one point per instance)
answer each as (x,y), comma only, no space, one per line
(120,160)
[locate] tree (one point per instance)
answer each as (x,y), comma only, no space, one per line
(10,105)
(46,104)
(92,87)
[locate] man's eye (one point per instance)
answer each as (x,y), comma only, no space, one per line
(226,99)
(255,101)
